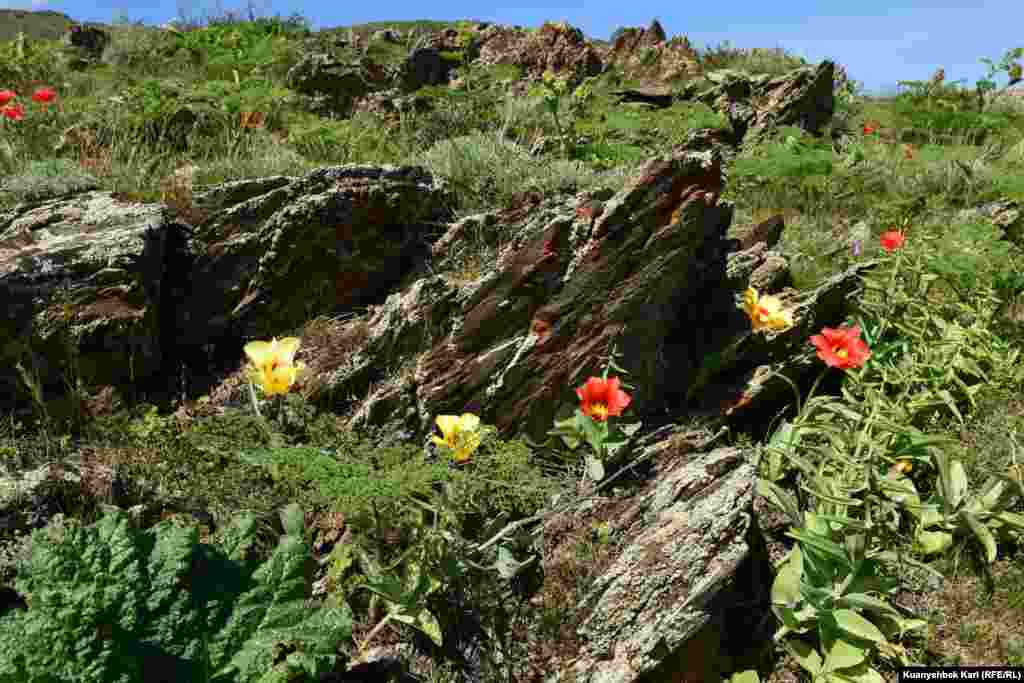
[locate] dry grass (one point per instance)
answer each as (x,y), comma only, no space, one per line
(969,628)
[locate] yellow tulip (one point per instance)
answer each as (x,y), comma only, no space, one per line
(273,367)
(765,311)
(461,434)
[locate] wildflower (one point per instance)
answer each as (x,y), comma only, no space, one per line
(540,327)
(273,365)
(44,95)
(549,249)
(15,112)
(602,398)
(869,129)
(892,240)
(6,96)
(841,348)
(765,311)
(1015,72)
(460,434)
(856,247)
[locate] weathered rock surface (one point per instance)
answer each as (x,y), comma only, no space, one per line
(757,104)
(144,295)
(84,45)
(688,566)
(328,85)
(647,52)
(558,47)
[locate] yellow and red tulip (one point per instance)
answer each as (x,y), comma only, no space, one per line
(272,364)
(461,435)
(765,312)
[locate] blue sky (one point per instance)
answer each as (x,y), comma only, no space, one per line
(879,42)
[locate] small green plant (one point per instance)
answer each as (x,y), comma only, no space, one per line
(554,89)
(953,512)
(600,398)
(109,600)
(821,588)
(1008,64)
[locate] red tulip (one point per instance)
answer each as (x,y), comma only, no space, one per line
(15,112)
(44,95)
(602,398)
(892,240)
(842,348)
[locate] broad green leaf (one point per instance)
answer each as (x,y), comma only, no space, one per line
(805,655)
(786,587)
(833,550)
(982,533)
(933,542)
(865,601)
(950,403)
(843,655)
(994,493)
(386,586)
(958,483)
(930,516)
(1011,519)
(422,620)
(863,673)
(858,626)
(745,677)
(899,490)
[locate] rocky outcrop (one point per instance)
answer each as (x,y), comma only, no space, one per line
(656,96)
(83,46)
(685,584)
(648,53)
(423,67)
(139,294)
(755,105)
(558,47)
(329,86)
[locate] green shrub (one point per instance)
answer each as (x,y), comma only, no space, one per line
(110,602)
(793,155)
(967,123)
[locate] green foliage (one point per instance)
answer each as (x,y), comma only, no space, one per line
(109,601)
(354,140)
(973,255)
(363,476)
(954,511)
(822,588)
(250,94)
(610,154)
(953,120)
(775,61)
(1007,64)
(791,156)
(359,481)
(504,481)
(35,62)
(246,47)
(45,180)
